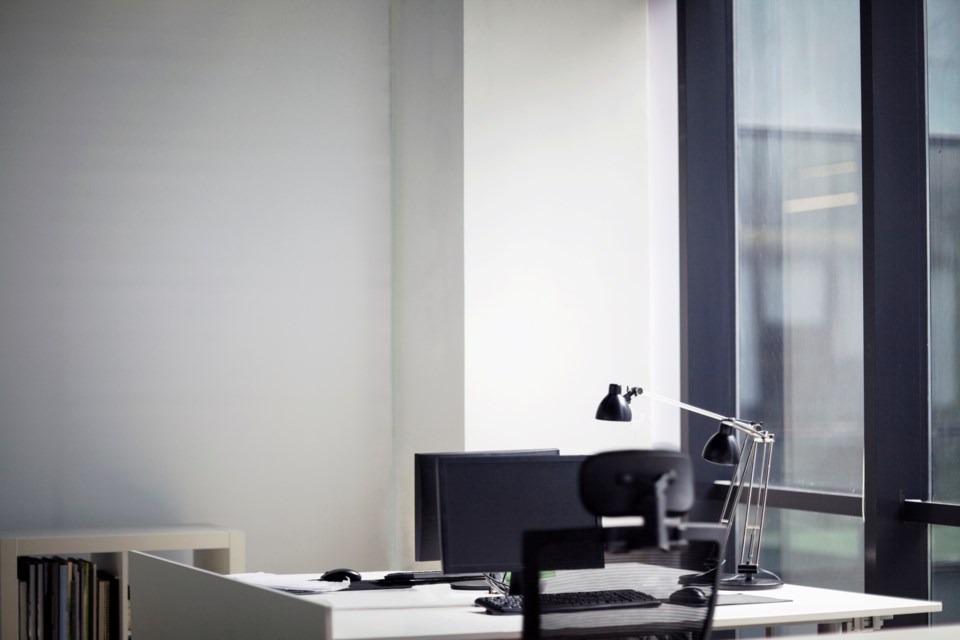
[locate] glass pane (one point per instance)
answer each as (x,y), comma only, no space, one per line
(799,235)
(943,96)
(812,549)
(946,573)
(943,88)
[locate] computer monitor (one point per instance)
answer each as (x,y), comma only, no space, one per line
(486,504)
(426,512)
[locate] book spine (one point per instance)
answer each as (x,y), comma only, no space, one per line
(41,599)
(33,567)
(63,593)
(23,594)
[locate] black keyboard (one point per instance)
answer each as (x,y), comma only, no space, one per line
(571,601)
(429,577)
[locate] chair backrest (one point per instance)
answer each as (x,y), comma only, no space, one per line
(631,560)
(173,600)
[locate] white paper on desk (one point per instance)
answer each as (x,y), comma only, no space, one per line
(291,583)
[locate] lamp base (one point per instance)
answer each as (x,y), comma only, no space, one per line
(762,579)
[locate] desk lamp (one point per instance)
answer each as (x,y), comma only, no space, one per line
(751,472)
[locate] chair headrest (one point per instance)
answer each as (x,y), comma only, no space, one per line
(626,483)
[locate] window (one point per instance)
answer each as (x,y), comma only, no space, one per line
(799,266)
(821,275)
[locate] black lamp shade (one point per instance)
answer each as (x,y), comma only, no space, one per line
(614,406)
(722,447)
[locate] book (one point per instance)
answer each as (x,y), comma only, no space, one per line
(53,598)
(41,602)
(109,606)
(23,592)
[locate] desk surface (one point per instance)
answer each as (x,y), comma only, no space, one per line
(437,611)
(941,632)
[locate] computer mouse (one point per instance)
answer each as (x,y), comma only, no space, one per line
(339,575)
(690,596)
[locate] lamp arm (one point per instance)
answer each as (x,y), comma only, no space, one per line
(753,429)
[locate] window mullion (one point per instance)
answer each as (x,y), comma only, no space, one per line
(895,294)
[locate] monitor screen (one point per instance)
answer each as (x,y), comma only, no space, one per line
(426,512)
(487,503)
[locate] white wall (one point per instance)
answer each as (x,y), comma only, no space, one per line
(522,236)
(195,282)
(556,221)
(254,255)
(427,76)
(663,238)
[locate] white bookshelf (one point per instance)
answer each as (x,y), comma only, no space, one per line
(214,548)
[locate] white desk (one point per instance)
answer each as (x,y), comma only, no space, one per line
(942,632)
(439,612)
(831,610)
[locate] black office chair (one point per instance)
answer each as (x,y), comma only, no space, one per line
(651,558)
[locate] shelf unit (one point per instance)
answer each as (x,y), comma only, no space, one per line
(214,548)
